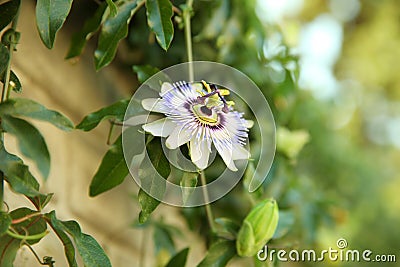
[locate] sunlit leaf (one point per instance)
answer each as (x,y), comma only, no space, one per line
(113,30)
(179,259)
(30,141)
(50,16)
(31,109)
(17,174)
(80,38)
(116,110)
(159,14)
(8,10)
(58,228)
(150,181)
(289,142)
(219,254)
(112,170)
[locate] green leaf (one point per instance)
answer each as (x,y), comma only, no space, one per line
(144,72)
(219,254)
(147,204)
(116,110)
(8,250)
(114,29)
(112,7)
(31,109)
(17,174)
(30,141)
(227,228)
(4,58)
(159,14)
(289,142)
(162,237)
(80,38)
(5,222)
(58,228)
(9,245)
(112,170)
(32,226)
(188,184)
(8,10)
(179,259)
(91,252)
(41,201)
(258,227)
(14,82)
(149,179)
(50,16)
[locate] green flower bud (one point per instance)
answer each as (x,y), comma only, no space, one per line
(258,227)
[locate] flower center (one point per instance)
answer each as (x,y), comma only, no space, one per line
(205,114)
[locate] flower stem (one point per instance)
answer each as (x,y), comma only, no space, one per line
(210,216)
(188,36)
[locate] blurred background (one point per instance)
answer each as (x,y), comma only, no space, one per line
(329,70)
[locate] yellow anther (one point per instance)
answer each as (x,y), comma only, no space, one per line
(206,85)
(224,91)
(230,103)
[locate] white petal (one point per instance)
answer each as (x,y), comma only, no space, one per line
(248,124)
(199,152)
(163,127)
(165,87)
(225,150)
(152,104)
(178,137)
(239,152)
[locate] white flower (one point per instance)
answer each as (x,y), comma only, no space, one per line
(199,115)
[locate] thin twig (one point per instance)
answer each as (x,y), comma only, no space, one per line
(210,216)
(19,220)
